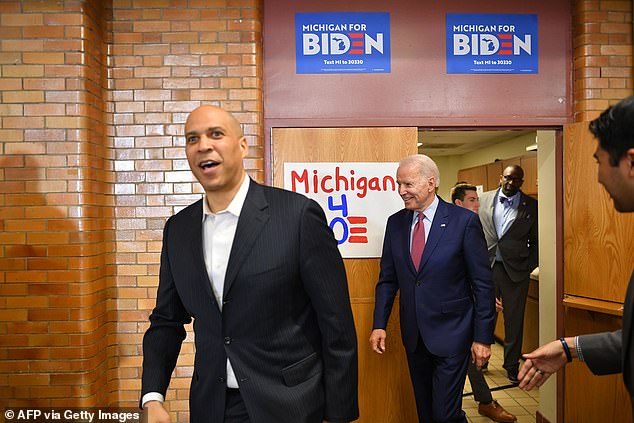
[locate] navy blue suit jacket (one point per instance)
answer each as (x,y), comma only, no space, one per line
(450,300)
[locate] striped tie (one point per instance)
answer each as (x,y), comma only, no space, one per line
(418,241)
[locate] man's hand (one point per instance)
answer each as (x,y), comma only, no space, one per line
(480,353)
(498,304)
(540,364)
(156,413)
(377,340)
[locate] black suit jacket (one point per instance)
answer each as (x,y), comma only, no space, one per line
(286,323)
(519,244)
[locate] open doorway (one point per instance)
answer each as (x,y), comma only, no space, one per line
(478,157)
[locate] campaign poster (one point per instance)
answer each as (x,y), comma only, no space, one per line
(344,42)
(356,197)
(492,43)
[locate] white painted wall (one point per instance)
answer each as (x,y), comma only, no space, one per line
(547,261)
(450,165)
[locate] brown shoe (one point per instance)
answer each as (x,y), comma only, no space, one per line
(496,412)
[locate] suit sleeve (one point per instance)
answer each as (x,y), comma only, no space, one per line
(602,352)
(477,264)
(387,285)
(324,278)
(163,339)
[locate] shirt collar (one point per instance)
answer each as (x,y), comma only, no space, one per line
(235,207)
(430,211)
(513,198)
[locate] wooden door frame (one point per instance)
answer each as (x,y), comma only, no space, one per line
(271,124)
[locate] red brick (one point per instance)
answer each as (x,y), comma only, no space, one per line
(616,5)
(21,19)
(21,45)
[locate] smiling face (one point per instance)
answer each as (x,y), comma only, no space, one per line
(215,148)
(416,190)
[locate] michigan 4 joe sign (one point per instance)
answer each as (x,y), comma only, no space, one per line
(356,197)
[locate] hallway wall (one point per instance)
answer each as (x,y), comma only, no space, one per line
(93,98)
(165,60)
(57,264)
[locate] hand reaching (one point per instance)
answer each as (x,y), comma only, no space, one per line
(540,364)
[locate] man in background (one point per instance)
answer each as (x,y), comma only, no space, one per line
(607,352)
(466,195)
(435,254)
(509,220)
(259,271)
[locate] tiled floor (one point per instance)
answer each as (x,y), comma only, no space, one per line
(521,403)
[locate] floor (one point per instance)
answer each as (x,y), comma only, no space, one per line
(521,403)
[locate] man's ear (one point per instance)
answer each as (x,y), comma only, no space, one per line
(458,202)
(244,146)
(629,156)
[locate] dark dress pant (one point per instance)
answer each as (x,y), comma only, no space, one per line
(438,384)
(479,386)
(513,296)
(235,409)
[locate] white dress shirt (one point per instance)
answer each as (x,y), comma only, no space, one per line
(504,215)
(429,213)
(219,230)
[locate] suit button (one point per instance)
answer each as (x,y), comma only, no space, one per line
(418,283)
(221,379)
(227,340)
(226,302)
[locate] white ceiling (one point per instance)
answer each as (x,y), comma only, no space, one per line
(446,143)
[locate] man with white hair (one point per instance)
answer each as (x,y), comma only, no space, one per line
(436,255)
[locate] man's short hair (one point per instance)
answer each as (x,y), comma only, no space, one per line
(614,129)
(459,191)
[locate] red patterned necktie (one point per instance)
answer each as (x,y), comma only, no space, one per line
(418,240)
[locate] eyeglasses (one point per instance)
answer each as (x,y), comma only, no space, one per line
(511,178)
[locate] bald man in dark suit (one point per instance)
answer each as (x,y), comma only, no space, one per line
(258,270)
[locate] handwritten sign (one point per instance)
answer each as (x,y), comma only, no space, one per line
(356,197)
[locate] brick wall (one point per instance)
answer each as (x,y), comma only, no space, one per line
(56,204)
(602,54)
(168,57)
(94,95)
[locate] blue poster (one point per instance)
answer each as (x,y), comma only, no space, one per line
(342,42)
(479,43)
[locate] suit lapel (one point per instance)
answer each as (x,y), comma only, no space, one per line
(521,209)
(436,232)
(493,203)
(253,217)
(404,238)
(522,214)
(194,236)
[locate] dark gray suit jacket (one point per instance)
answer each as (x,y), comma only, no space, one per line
(613,352)
(286,323)
(518,245)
